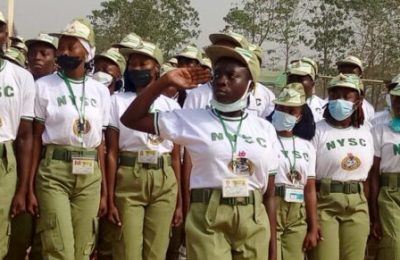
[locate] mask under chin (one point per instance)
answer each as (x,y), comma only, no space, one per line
(240,104)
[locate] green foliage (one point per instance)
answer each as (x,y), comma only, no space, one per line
(254,19)
(331,33)
(169,23)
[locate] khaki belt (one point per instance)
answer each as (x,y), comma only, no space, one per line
(62,154)
(131,160)
(342,187)
(390,179)
(204,195)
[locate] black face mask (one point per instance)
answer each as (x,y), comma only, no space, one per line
(118,84)
(139,78)
(68,62)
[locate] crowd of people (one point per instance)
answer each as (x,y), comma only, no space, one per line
(122,155)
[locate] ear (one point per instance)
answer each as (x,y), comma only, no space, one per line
(157,72)
(252,86)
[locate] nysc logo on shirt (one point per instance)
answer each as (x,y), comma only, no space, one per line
(344,142)
(6,91)
(296,155)
(350,162)
(248,139)
(396,149)
(63,101)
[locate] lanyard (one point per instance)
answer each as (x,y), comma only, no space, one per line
(292,166)
(232,141)
(81,111)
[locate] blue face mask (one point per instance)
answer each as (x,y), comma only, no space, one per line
(283,121)
(340,109)
(394,124)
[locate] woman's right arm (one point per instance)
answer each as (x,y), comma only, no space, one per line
(38,129)
(112,137)
(137,116)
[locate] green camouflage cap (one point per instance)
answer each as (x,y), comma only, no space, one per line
(16,56)
(165,68)
(149,49)
(17,38)
(115,56)
(80,28)
(394,81)
(304,67)
(2,18)
(351,60)
(191,52)
(132,40)
(292,95)
(20,45)
(257,50)
(43,38)
(173,61)
(206,62)
(345,81)
(215,52)
(232,37)
(395,91)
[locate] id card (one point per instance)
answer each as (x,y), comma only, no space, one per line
(294,195)
(82,165)
(148,156)
(235,187)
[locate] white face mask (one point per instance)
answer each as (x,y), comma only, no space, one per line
(104,78)
(388,101)
(239,104)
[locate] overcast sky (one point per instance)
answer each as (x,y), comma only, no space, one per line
(34,16)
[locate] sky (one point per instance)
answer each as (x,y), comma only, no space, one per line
(34,16)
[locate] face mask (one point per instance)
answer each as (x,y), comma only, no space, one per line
(104,78)
(139,78)
(119,84)
(68,62)
(239,104)
(388,101)
(394,124)
(340,109)
(283,121)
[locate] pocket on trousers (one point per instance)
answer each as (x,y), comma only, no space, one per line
(50,233)
(90,244)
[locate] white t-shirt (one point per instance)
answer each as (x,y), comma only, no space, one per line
(369,111)
(262,103)
(260,100)
(54,107)
(134,141)
(202,134)
(387,147)
(316,104)
(343,154)
(17,97)
(381,117)
(302,157)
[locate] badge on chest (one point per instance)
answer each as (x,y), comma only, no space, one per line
(83,165)
(235,187)
(294,194)
(148,156)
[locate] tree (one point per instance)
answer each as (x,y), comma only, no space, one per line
(254,19)
(290,27)
(377,34)
(169,23)
(330,32)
